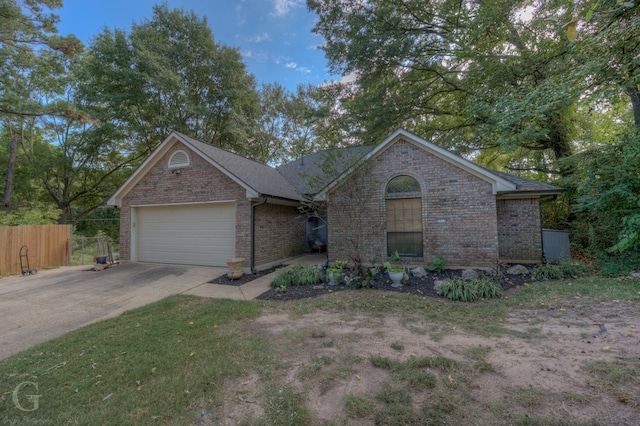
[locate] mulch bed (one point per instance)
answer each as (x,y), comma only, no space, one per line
(417,286)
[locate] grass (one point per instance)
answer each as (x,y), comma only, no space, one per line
(172,361)
(169,360)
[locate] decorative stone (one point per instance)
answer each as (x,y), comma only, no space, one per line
(518,270)
(469,275)
(419,272)
(438,283)
(635,275)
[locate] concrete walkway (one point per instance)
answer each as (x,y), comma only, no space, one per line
(253,288)
(37,308)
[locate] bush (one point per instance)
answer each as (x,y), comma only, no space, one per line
(459,289)
(297,275)
(468,291)
(438,264)
(616,266)
(487,289)
(557,271)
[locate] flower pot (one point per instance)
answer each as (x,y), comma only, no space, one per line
(396,278)
(334,276)
(235,268)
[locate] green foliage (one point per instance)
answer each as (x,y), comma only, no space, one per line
(459,289)
(341,264)
(487,289)
(619,264)
(438,264)
(395,264)
(559,270)
(169,74)
(608,185)
(39,214)
(297,275)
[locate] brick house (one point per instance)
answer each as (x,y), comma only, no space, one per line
(193,203)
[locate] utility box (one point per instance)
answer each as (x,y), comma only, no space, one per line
(555,245)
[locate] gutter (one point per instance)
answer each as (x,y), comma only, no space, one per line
(253,233)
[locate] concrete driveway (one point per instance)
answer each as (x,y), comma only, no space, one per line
(37,308)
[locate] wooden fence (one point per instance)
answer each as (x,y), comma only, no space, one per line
(48,246)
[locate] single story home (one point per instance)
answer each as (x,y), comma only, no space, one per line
(193,203)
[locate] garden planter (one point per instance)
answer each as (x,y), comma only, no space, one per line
(235,268)
(396,278)
(334,276)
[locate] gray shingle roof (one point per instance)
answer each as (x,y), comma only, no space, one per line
(313,172)
(263,179)
(524,184)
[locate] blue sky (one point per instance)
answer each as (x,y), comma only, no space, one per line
(273,36)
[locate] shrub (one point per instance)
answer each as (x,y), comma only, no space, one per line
(468,291)
(459,289)
(297,275)
(437,264)
(487,289)
(618,265)
(557,271)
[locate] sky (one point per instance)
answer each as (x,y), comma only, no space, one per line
(273,36)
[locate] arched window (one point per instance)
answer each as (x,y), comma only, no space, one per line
(178,159)
(404,216)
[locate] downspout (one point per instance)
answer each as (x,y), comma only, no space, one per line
(253,233)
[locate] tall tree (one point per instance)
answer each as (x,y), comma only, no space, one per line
(287,125)
(168,73)
(472,75)
(27,28)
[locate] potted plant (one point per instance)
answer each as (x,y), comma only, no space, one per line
(235,268)
(334,275)
(395,269)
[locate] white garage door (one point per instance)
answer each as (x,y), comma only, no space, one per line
(192,234)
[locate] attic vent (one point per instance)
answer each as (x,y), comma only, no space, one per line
(179,159)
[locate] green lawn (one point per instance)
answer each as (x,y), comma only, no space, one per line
(174,361)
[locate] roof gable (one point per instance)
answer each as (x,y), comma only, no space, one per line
(257,179)
(499,183)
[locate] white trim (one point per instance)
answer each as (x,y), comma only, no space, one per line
(498,184)
(133,235)
(184,204)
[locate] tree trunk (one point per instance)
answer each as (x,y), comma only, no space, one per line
(11,166)
(634,94)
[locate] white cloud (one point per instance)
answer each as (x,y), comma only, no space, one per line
(294,66)
(259,38)
(257,56)
(283,7)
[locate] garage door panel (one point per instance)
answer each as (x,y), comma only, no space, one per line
(187,234)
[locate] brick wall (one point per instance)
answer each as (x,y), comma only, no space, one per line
(458,209)
(200,182)
(519,233)
(280,233)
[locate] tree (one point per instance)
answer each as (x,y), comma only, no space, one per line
(472,75)
(287,126)
(169,74)
(27,28)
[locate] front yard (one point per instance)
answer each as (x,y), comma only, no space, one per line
(563,352)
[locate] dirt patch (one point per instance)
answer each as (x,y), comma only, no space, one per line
(570,363)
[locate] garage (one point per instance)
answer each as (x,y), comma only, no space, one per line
(187,234)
